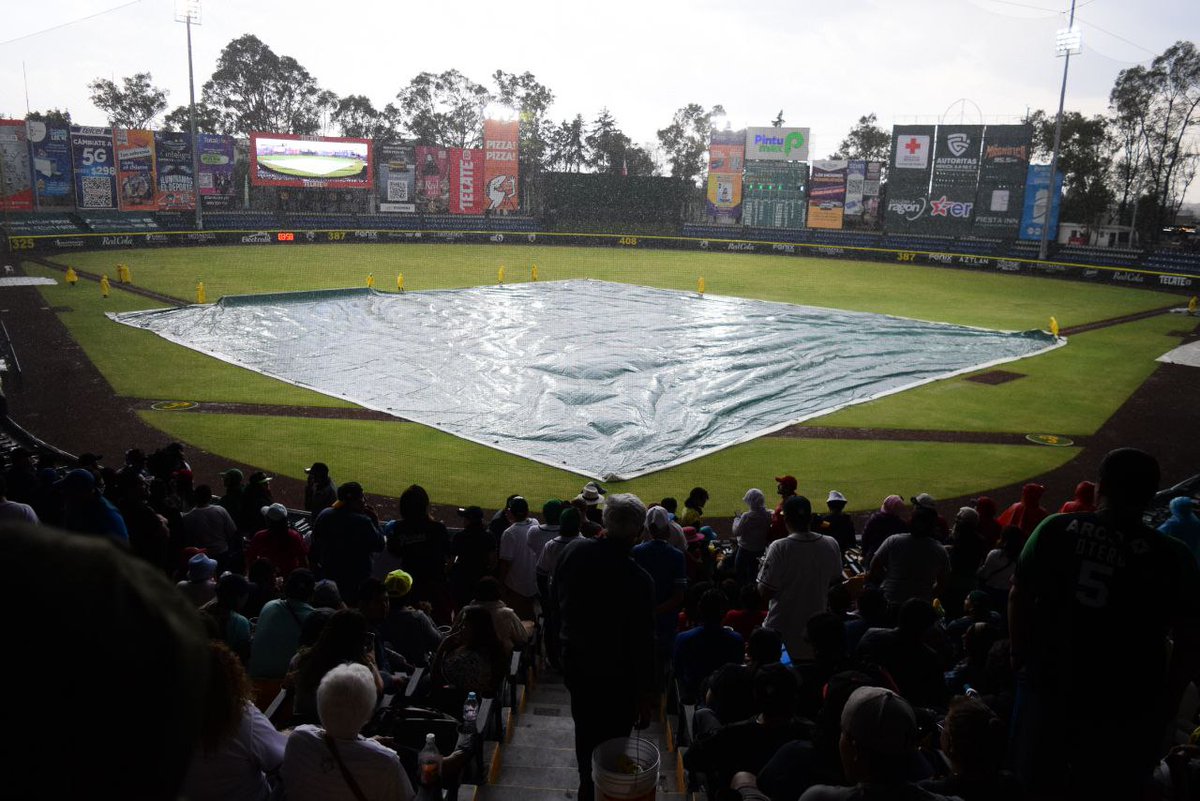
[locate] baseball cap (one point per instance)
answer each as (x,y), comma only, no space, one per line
(551,511)
(319,468)
(398,583)
(470,512)
(78,480)
(232,472)
(201,568)
(275,512)
(518,506)
(89,458)
(880,721)
(787,482)
(258,477)
(924,500)
(326,595)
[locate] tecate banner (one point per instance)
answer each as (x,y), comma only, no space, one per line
(466,181)
(777,144)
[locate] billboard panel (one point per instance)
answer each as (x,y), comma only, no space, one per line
(827,194)
(856,180)
(310,162)
(466,181)
(956,157)
(216,171)
(136,181)
(50,153)
(16,194)
(726,159)
(500,164)
(433,179)
(94,167)
(1039,198)
(777,144)
(1001,196)
(397,177)
(775,194)
(176,189)
(912,146)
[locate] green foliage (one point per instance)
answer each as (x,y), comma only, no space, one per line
(54,116)
(356,116)
(866,140)
(530,99)
(1084,159)
(444,109)
(132,104)
(208,119)
(685,140)
(254,89)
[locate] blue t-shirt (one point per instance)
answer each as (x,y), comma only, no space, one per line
(667,567)
(699,652)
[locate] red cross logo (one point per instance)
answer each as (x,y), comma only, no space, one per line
(913,146)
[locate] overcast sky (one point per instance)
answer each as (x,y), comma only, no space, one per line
(824,63)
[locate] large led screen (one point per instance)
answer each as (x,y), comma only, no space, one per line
(310,162)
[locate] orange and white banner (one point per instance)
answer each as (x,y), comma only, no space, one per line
(500,165)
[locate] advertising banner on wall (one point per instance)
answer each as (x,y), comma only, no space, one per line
(176,190)
(1002,171)
(777,144)
(16,194)
(912,148)
(726,160)
(856,179)
(500,165)
(1039,199)
(136,180)
(50,153)
(827,194)
(433,179)
(466,181)
(94,167)
(397,177)
(956,157)
(216,171)
(872,180)
(310,162)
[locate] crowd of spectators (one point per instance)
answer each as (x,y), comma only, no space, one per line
(999,654)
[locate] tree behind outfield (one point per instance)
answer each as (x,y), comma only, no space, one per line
(444,109)
(685,140)
(52,116)
(131,104)
(866,140)
(254,89)
(1084,159)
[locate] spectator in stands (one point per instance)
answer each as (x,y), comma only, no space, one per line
(606,603)
(266,584)
(423,546)
(499,522)
(973,739)
(374,603)
(200,587)
(510,629)
(226,611)
(591,496)
(255,498)
(326,595)
(666,566)
(730,694)
(321,763)
(1084,500)
(795,577)
(912,565)
(976,645)
(693,508)
(277,635)
(471,658)
(785,487)
(407,630)
(837,523)
(45,500)
(924,502)
(1026,513)
(205,526)
(474,552)
(146,670)
(966,551)
(21,476)
(826,635)
(871,612)
(135,463)
(568,532)
(148,532)
(1095,597)
(86,511)
(750,615)
(977,608)
(344,538)
(232,490)
(995,575)
(319,490)
(278,543)
(240,750)
(14,511)
(904,653)
(518,564)
(1183,524)
(753,532)
(880,525)
(345,638)
(698,652)
(547,529)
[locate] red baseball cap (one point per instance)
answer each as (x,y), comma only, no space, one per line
(787,482)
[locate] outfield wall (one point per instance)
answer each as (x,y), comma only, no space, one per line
(1142,278)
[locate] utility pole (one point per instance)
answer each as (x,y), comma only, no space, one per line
(188,12)
(1067,41)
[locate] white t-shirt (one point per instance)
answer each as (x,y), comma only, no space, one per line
(310,773)
(800,569)
(19,512)
(209,527)
(237,771)
(514,549)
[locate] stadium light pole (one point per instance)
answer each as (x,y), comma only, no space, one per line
(188,12)
(1067,41)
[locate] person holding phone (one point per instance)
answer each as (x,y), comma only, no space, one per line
(344,639)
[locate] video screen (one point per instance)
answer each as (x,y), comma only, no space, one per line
(312,162)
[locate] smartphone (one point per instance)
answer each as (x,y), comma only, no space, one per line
(369,645)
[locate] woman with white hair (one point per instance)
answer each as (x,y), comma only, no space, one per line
(753,531)
(333,762)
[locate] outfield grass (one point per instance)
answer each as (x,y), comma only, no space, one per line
(1070,391)
(386,457)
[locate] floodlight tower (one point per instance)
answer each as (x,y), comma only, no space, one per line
(188,12)
(1067,42)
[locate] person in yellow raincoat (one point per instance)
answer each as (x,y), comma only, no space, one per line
(104,288)
(72,277)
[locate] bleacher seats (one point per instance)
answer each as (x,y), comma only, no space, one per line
(241,221)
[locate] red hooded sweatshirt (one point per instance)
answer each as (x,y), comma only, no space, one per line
(1084,501)
(1025,513)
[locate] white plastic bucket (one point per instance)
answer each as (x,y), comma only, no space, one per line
(625,769)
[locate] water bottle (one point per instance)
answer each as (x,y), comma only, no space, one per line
(429,762)
(470,712)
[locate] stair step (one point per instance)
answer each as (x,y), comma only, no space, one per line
(497,792)
(533,756)
(538,777)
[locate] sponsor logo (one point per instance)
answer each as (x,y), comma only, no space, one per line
(202,237)
(783,248)
(704,244)
(466,182)
(958,143)
(1174,280)
(403,234)
(779,144)
(827,251)
(1008,266)
(1053,440)
(497,238)
(366,234)
(116,241)
(68,243)
(531,238)
(1130,278)
(950,208)
(157,239)
(941,258)
(912,152)
(262,237)
(910,209)
(740,246)
(1003,154)
(1090,273)
(974,261)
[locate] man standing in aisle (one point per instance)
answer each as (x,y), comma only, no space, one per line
(606,603)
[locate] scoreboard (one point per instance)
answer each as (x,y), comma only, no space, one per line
(775,194)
